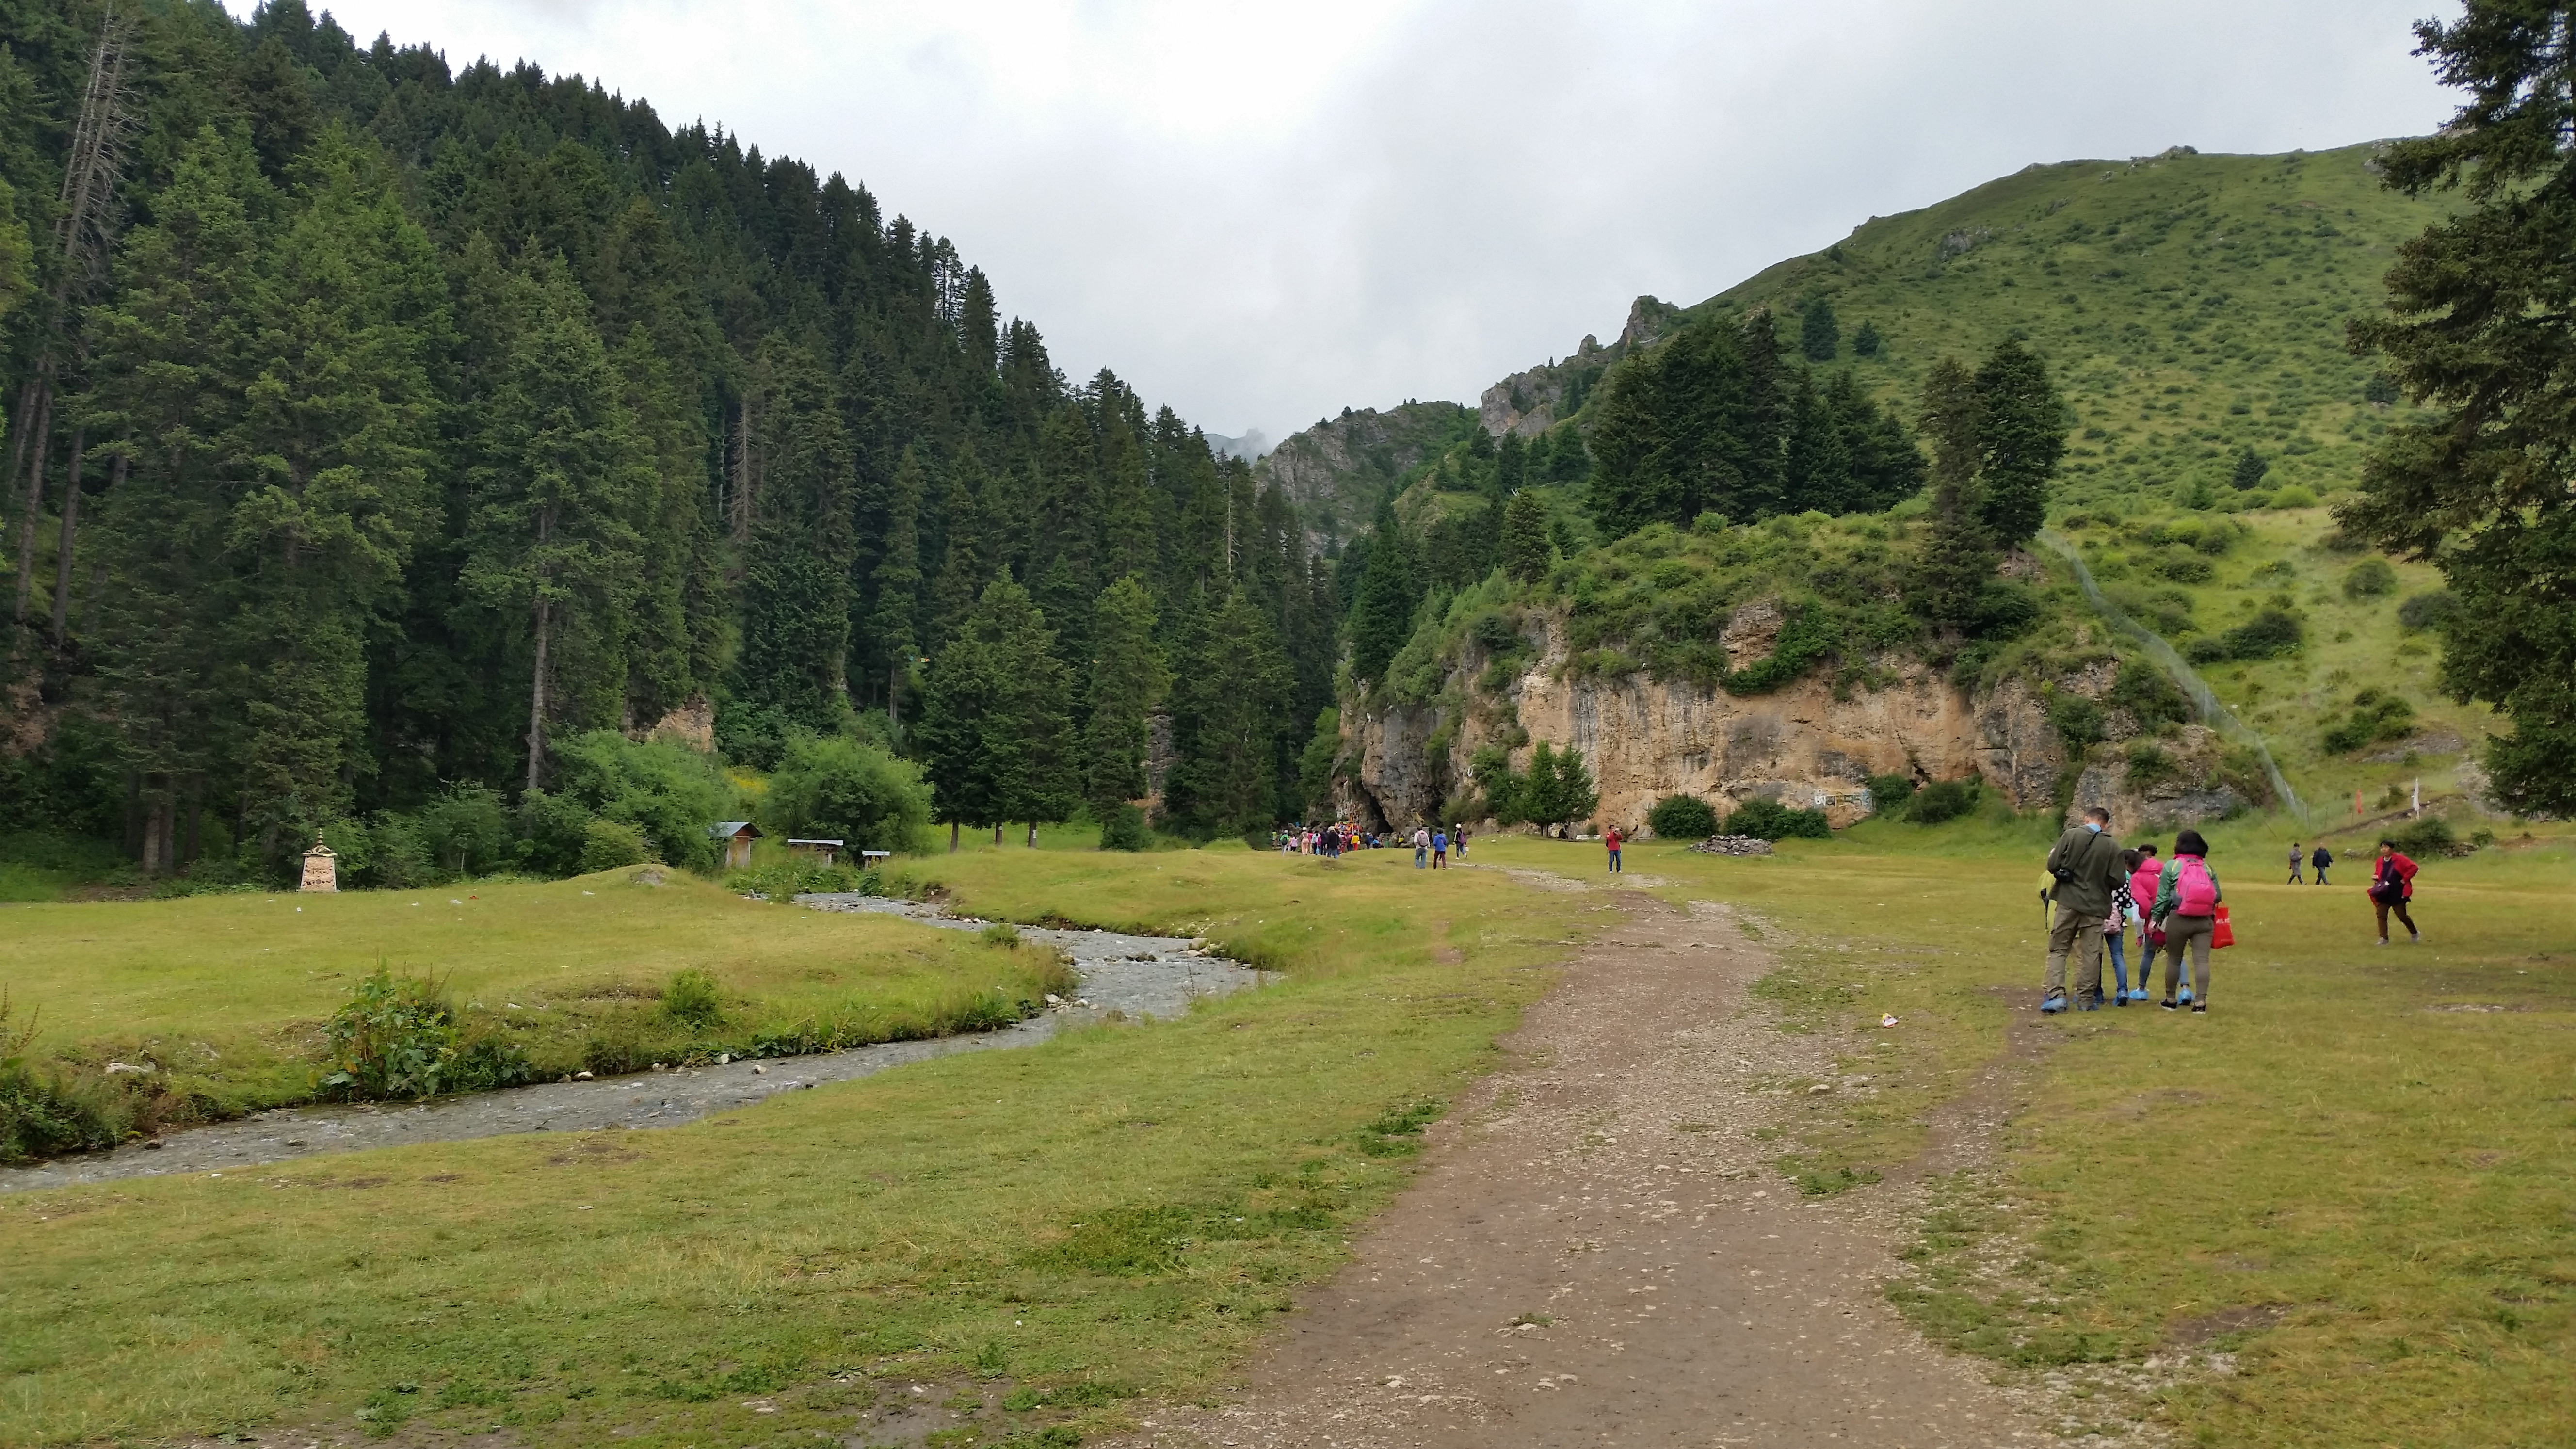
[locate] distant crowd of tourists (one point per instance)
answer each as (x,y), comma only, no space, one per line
(1432,844)
(2100,890)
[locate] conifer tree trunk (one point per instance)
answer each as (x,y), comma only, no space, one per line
(35,500)
(537,686)
(63,555)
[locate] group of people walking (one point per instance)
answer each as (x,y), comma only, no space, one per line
(2100,889)
(1432,844)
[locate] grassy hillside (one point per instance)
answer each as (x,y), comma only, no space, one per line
(2191,306)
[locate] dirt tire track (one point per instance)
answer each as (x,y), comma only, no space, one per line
(1599,1251)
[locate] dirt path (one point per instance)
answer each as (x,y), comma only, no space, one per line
(1599,1252)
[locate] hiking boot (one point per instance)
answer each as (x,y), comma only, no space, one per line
(2167,1003)
(2199,1007)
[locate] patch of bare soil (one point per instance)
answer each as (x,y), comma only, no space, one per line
(1600,1253)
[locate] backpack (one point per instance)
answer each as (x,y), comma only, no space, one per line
(2195,894)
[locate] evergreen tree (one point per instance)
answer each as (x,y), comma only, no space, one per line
(995,728)
(2022,427)
(1126,489)
(964,560)
(1511,466)
(898,579)
(796,594)
(1228,703)
(1382,615)
(1556,791)
(2249,471)
(2480,481)
(1867,342)
(330,456)
(559,479)
(1819,335)
(1527,551)
(1957,557)
(1127,685)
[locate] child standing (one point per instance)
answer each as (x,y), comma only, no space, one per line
(1440,848)
(2142,898)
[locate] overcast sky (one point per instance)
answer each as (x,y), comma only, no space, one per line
(1262,213)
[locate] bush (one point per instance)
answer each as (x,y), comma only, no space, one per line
(2148,765)
(693,1000)
(2427,611)
(2268,635)
(553,830)
(2374,717)
(608,844)
(845,790)
(1771,820)
(2369,579)
(2077,720)
(751,734)
(1888,794)
(2426,835)
(392,1039)
(2004,610)
(1682,817)
(1125,829)
(2150,698)
(2185,567)
(1944,800)
(2294,496)
(667,791)
(57,1111)
(1002,934)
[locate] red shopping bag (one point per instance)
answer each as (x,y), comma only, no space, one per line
(2221,934)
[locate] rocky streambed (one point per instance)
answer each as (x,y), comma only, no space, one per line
(1135,976)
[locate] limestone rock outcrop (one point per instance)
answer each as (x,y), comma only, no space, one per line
(2162,784)
(1805,745)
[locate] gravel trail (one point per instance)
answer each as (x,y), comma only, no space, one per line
(1137,975)
(1599,1251)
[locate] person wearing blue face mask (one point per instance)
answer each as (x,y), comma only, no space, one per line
(2083,869)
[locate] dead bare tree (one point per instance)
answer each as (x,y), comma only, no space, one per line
(82,232)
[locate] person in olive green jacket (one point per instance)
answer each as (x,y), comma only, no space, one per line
(2085,866)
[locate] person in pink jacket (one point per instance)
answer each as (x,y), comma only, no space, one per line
(2142,890)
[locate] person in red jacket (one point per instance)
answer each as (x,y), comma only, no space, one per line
(2392,885)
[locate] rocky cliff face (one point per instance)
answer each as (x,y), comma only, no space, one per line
(1644,739)
(1333,472)
(2159,784)
(1531,402)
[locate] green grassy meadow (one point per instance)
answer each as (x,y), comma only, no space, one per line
(227,994)
(2355,1170)
(1035,1234)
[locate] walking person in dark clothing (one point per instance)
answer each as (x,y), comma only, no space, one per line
(2392,885)
(2321,858)
(2083,867)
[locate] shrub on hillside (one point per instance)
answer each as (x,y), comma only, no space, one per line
(2148,765)
(1682,817)
(1944,800)
(2375,717)
(1771,820)
(2426,837)
(2427,611)
(2077,720)
(2150,698)
(2184,566)
(2270,634)
(2369,579)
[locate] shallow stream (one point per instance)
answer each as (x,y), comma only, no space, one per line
(1138,976)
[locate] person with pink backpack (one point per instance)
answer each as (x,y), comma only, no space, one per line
(2151,937)
(2187,898)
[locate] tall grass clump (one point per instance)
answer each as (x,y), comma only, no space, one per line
(58,1109)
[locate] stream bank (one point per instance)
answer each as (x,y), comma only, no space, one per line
(1133,976)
